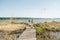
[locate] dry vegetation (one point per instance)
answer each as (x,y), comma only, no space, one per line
(11,26)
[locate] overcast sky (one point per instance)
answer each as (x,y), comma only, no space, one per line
(30,8)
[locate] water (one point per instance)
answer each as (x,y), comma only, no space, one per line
(36,20)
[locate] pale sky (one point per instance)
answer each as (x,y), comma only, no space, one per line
(30,8)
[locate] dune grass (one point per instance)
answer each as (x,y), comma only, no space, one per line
(41,28)
(6,26)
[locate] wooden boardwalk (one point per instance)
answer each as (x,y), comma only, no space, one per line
(28,34)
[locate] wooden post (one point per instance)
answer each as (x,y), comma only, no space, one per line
(11,20)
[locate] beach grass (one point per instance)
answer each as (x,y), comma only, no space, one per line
(42,28)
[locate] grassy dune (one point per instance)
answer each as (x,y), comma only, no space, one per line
(12,27)
(9,31)
(41,28)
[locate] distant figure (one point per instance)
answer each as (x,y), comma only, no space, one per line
(31,23)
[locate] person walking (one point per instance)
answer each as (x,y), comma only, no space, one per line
(31,23)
